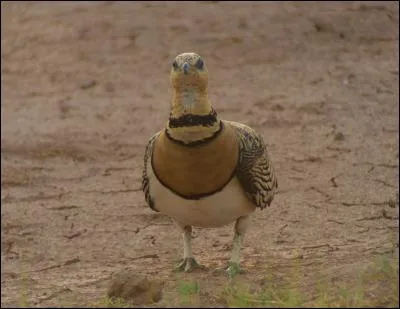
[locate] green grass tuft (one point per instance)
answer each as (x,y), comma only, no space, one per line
(189,293)
(113,302)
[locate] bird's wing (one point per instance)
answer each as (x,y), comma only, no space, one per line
(255,171)
(145,179)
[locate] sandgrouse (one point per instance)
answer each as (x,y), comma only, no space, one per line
(203,171)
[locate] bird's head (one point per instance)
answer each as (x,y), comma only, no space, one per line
(189,72)
(192,118)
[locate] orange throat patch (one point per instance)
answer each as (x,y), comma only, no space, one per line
(196,171)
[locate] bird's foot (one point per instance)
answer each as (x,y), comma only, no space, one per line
(233,269)
(188,265)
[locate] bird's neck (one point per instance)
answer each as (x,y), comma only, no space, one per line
(190,100)
(192,119)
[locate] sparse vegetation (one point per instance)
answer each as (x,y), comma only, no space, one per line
(113,303)
(376,286)
(23,301)
(382,278)
(188,292)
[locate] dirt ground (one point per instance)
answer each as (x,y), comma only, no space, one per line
(85,84)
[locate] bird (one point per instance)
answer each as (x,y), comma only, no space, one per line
(203,171)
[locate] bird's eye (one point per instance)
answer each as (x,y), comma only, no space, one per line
(200,64)
(175,65)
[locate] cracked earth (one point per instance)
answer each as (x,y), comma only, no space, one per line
(85,84)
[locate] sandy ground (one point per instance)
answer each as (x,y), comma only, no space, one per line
(84,85)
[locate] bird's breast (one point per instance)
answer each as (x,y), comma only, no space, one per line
(196,171)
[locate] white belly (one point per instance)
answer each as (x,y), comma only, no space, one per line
(216,210)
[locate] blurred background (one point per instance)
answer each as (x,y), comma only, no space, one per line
(101,68)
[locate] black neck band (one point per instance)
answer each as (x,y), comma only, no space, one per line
(190,120)
(196,142)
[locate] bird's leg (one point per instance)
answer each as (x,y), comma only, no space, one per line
(240,228)
(188,263)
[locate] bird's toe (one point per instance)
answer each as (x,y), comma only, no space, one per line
(233,269)
(188,265)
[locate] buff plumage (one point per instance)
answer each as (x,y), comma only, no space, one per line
(204,171)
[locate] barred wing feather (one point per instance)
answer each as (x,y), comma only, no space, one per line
(255,171)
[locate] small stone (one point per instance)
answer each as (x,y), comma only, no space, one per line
(339,136)
(134,288)
(392,203)
(277,107)
(88,84)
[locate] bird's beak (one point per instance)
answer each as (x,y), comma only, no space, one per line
(186,67)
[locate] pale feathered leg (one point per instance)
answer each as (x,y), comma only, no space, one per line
(240,229)
(188,263)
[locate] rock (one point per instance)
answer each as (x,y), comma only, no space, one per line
(134,288)
(339,136)
(88,84)
(277,107)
